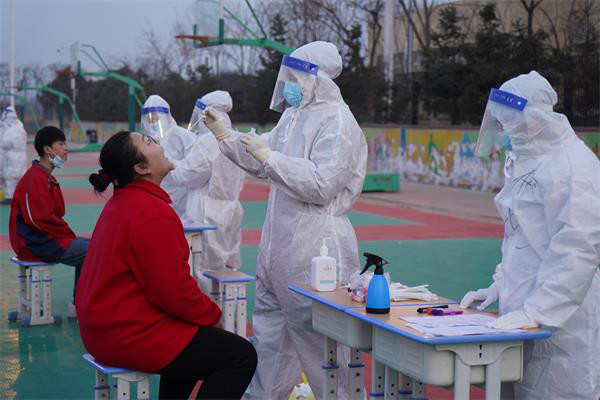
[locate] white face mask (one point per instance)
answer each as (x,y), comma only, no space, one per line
(57,161)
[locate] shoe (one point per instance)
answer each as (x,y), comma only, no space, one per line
(71,311)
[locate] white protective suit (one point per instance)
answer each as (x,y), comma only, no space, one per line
(13,143)
(176,141)
(214,195)
(316,168)
(550,204)
(2,159)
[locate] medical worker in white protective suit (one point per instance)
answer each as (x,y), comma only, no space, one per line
(214,191)
(13,143)
(158,123)
(549,275)
(315,158)
(2,160)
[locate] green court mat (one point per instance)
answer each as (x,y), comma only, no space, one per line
(80,217)
(74,183)
(44,362)
(75,170)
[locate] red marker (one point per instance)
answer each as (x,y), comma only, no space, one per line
(442,312)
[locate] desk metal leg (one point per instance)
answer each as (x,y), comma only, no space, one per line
(143,389)
(377,375)
(330,369)
(123,389)
(418,390)
(23,282)
(492,380)
(47,300)
(462,379)
(102,389)
(240,320)
(356,378)
(391,384)
(228,309)
(36,306)
(215,293)
(404,387)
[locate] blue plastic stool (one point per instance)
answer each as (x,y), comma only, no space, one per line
(123,376)
(35,294)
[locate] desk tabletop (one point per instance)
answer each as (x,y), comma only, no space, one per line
(391,322)
(340,298)
(192,229)
(228,276)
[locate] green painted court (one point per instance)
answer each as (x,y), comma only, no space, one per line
(451,254)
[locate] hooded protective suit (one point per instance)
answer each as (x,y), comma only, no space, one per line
(549,272)
(13,143)
(2,158)
(213,198)
(317,165)
(177,142)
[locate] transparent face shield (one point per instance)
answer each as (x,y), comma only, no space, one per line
(156,121)
(503,112)
(196,125)
(295,75)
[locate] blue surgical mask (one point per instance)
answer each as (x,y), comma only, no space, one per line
(505,141)
(292,94)
(155,129)
(57,161)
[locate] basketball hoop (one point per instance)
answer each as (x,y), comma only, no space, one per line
(203,39)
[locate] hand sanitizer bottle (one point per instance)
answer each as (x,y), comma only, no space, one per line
(323,271)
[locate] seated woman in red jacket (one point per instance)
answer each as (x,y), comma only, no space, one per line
(138,306)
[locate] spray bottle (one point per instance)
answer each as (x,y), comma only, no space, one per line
(378,293)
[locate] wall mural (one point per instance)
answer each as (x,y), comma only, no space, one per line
(441,156)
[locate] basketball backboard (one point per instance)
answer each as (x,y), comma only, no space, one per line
(209,20)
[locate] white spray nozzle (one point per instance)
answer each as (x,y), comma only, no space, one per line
(324,251)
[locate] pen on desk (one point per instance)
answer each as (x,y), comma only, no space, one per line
(422,310)
(442,312)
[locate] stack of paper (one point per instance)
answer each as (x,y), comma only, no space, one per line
(455,325)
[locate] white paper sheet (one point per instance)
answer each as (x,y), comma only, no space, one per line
(455,325)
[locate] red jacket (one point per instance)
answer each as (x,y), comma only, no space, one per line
(137,304)
(37,228)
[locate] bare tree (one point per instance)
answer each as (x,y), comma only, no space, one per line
(530,6)
(243,59)
(419,15)
(373,11)
(575,21)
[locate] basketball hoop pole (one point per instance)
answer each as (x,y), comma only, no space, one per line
(62,98)
(133,85)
